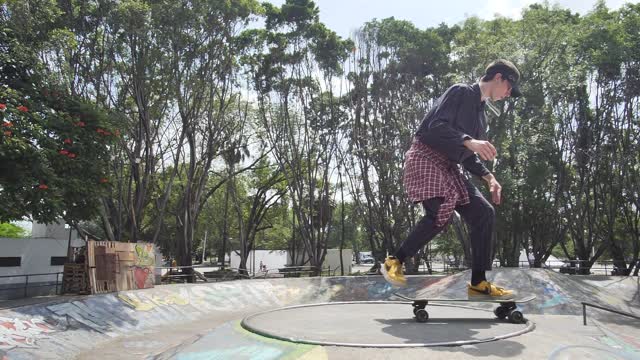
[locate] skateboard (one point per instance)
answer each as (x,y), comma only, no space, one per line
(508,307)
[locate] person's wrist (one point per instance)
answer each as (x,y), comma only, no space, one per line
(489,177)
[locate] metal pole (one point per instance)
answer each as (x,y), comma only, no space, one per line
(584,314)
(69,244)
(204,247)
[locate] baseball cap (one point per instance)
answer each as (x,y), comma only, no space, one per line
(509,72)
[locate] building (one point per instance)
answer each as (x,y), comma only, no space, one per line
(33,266)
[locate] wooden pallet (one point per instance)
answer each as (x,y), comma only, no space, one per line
(74,279)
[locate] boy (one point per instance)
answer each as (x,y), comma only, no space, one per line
(453,132)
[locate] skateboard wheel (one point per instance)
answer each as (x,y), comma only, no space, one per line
(516,317)
(501,312)
(421,315)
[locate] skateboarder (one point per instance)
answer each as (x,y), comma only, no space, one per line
(453,133)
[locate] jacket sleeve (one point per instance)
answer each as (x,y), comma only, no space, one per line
(474,165)
(440,133)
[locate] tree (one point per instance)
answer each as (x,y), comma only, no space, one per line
(8,230)
(54,147)
(292,60)
(267,188)
(395,70)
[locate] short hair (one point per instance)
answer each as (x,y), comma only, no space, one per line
(504,67)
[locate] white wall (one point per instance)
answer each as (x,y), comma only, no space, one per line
(52,231)
(332,260)
(273,259)
(36,257)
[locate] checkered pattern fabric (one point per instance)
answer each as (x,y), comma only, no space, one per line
(429,174)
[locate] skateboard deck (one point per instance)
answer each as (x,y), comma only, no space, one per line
(508,308)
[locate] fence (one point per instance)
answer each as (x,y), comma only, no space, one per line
(573,267)
(177,273)
(16,290)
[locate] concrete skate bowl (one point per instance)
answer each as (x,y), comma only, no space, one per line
(202,321)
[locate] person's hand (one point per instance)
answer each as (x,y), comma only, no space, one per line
(484,148)
(494,187)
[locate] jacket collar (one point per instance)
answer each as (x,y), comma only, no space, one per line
(475,89)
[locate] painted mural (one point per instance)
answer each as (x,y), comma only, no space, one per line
(118,266)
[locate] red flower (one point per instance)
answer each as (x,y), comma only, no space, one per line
(80,124)
(7,124)
(7,133)
(23,108)
(104,180)
(67,141)
(71,155)
(64,152)
(106,133)
(99,131)
(43,186)
(3,107)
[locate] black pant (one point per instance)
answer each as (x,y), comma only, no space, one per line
(479,215)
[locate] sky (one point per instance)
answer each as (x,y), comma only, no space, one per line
(344,16)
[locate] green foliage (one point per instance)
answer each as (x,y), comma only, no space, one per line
(8,230)
(567,151)
(53,147)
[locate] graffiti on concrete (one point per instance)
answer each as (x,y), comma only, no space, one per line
(143,277)
(146,302)
(144,255)
(22,333)
(222,297)
(584,351)
(240,352)
(231,341)
(79,312)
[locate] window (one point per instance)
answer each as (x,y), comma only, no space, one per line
(10,261)
(58,260)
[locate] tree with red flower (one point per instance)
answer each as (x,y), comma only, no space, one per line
(34,152)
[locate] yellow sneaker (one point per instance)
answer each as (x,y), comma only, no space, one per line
(486,290)
(392,272)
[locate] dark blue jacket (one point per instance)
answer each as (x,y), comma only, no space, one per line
(458,115)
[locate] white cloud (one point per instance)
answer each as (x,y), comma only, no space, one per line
(513,8)
(507,8)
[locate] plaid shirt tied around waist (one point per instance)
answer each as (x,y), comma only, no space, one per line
(429,174)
